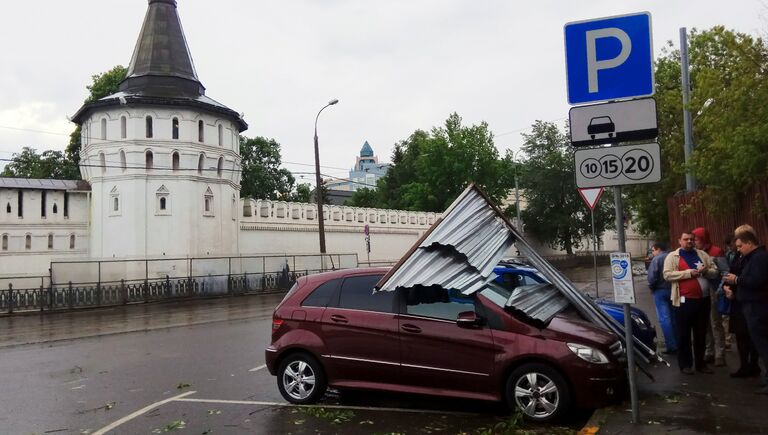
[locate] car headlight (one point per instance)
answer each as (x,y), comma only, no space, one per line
(588,354)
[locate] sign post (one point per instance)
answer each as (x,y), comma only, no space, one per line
(609,59)
(367,232)
(591,196)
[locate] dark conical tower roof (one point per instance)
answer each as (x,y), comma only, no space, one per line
(161,62)
(161,71)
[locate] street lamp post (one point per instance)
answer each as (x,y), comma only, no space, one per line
(319,184)
(517,193)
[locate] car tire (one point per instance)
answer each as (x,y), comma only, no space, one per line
(301,379)
(538,391)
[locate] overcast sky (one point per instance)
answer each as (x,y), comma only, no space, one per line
(395,65)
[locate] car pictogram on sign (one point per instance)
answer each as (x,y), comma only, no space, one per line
(600,125)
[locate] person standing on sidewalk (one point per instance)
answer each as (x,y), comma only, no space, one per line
(688,270)
(715,348)
(662,291)
(748,365)
(752,285)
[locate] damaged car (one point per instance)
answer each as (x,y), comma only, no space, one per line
(333,330)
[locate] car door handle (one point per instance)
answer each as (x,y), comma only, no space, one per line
(410,328)
(339,319)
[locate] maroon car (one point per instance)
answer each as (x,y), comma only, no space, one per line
(331,329)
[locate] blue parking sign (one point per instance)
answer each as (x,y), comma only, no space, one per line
(609,58)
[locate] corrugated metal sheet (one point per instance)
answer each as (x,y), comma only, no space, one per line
(43,184)
(464,246)
(460,252)
(538,303)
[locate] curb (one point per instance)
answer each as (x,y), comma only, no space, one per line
(592,426)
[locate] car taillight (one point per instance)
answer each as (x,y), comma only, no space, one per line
(276,323)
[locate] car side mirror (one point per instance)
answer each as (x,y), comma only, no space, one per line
(468,319)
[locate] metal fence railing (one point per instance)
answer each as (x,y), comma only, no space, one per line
(209,277)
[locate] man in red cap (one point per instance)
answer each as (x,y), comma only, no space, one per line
(715,350)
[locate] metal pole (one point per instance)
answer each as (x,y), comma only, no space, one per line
(319,184)
(517,203)
(594,249)
(627,311)
(690,181)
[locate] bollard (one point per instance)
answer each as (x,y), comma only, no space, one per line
(10,298)
(70,296)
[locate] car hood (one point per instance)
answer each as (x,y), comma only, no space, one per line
(566,327)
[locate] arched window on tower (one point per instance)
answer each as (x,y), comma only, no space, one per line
(8,207)
(5,242)
(149,160)
(208,203)
(163,201)
(200,164)
(103,162)
(55,208)
(148,121)
(28,241)
(220,167)
(175,161)
(221,135)
(175,128)
(103,128)
(200,131)
(123,163)
(71,241)
(123,127)
(50,241)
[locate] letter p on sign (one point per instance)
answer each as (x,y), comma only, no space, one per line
(609,58)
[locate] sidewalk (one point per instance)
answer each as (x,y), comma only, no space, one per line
(678,403)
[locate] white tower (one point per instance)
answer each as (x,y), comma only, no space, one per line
(162,158)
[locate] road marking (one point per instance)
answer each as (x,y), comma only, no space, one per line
(256,369)
(356,408)
(141,411)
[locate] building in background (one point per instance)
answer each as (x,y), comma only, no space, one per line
(366,173)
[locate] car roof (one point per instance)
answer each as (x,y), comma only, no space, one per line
(343,273)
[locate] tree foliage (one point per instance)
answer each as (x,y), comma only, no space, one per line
(363,197)
(430,169)
(555,213)
(49,164)
(103,84)
(262,176)
(729,80)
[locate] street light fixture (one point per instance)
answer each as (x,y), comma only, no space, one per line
(319,184)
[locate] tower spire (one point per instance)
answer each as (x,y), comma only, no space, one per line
(161,64)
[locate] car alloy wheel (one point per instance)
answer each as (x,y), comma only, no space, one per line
(536,395)
(301,379)
(538,391)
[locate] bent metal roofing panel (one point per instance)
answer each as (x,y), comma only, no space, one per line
(464,245)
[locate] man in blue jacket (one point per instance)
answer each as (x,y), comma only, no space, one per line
(661,290)
(752,294)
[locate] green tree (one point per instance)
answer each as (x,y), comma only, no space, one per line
(103,84)
(364,197)
(302,193)
(555,213)
(729,80)
(431,169)
(49,164)
(262,176)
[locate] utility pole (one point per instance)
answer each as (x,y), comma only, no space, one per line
(690,181)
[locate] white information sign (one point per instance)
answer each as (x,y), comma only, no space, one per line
(618,166)
(621,271)
(620,121)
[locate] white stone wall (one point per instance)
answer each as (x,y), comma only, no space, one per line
(116,167)
(277,227)
(18,260)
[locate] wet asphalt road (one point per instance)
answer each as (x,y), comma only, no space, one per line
(82,371)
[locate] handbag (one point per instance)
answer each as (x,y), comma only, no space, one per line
(723,303)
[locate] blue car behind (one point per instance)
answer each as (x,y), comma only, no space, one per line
(512,275)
